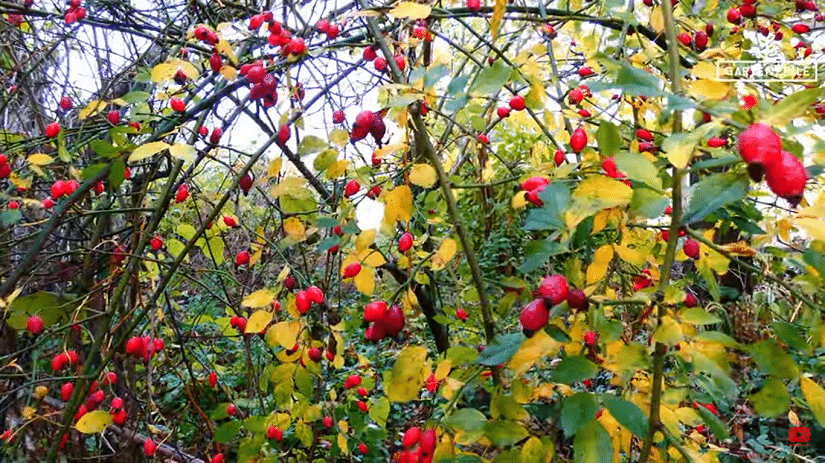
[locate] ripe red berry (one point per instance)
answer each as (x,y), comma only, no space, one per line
(558,157)
(351,188)
(578,140)
(362,447)
(405,242)
(245,183)
(215,136)
(302,302)
(327,420)
(66,391)
(716,142)
(474,5)
(182,193)
(361,391)
(534,316)
(734,17)
(700,41)
(374,311)
(380,64)
(399,61)
(411,437)
(428,441)
(156,243)
(643,134)
(275,433)
(314,354)
(759,144)
(690,300)
(352,270)
(747,10)
(483,139)
(149,447)
(800,28)
(117,403)
(352,381)
(576,299)
(575,96)
(13,204)
(503,112)
(589,338)
(66,104)
(215,62)
(212,379)
(553,289)
(52,129)
(691,248)
(241,258)
(229,221)
(461,314)
(369,54)
(283,135)
(362,406)
(684,38)
(231,410)
(113,117)
(217,458)
(393,321)
(338,116)
(517,103)
(787,178)
(585,71)
(177,105)
(34,324)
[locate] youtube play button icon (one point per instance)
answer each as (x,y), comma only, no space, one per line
(799,434)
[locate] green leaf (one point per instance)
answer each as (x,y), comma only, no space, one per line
(504,433)
(457,103)
(637,167)
(550,216)
(790,334)
(457,85)
(135,96)
(311,144)
(772,359)
(185,230)
(469,421)
(503,347)
(572,369)
(434,74)
(713,192)
(648,203)
(103,149)
(592,444)
(631,80)
(324,160)
(492,79)
(50,307)
(576,411)
(627,414)
(10,217)
(716,426)
(698,316)
(791,107)
(608,139)
(227,431)
(398,101)
(92,170)
(816,260)
(117,173)
(537,252)
(379,410)
(772,400)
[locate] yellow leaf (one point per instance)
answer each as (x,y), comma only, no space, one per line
(94,422)
(657,20)
(225,49)
(258,321)
(228,72)
(366,14)
(364,281)
(407,374)
(597,193)
(535,348)
(598,268)
(398,205)
(274,167)
(600,221)
(371,257)
(495,20)
(294,228)
(445,253)
(163,71)
(147,150)
(794,418)
(632,256)
(283,333)
(815,227)
(336,169)
(260,298)
(182,151)
(365,240)
(40,159)
(815,396)
(92,108)
(705,89)
(410,10)
(443,369)
(519,200)
(423,175)
(704,70)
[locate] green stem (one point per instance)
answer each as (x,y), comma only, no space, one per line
(654,419)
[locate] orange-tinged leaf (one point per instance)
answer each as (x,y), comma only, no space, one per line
(295,228)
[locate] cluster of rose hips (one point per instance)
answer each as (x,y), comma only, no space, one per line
(697,40)
(324,27)
(143,346)
(214,137)
(383,321)
(761,148)
(74,12)
(368,123)
(278,35)
(417,446)
(553,290)
(264,85)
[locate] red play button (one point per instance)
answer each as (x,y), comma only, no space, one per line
(799,434)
